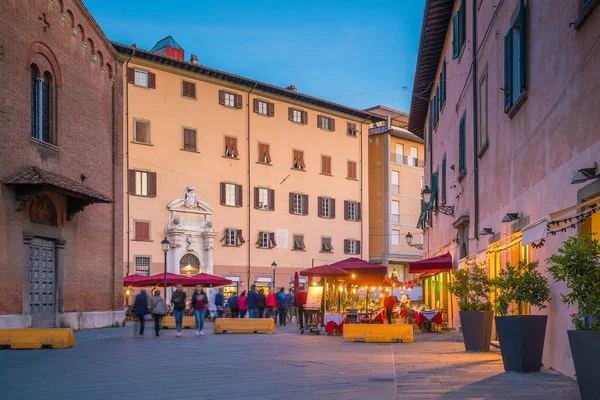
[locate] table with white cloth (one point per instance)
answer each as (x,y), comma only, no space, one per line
(333,322)
(422,316)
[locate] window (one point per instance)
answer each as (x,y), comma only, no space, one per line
(298,160)
(264,199)
(482,131)
(444,179)
(395,212)
(352,131)
(298,242)
(189,89)
(422,182)
(141,78)
(189,139)
(41,105)
(395,182)
(352,211)
(229,99)
(399,156)
(266,240)
(395,236)
(231,147)
(326,165)
(515,86)
(459,30)
(325,123)
(233,237)
(351,246)
(442,85)
(413,160)
(326,246)
(351,170)
(298,204)
(264,107)
(462,147)
(142,183)
(142,266)
(263,154)
(141,230)
(231,194)
(141,133)
(326,207)
(298,116)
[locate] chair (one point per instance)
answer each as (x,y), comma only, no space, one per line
(444,312)
(351,317)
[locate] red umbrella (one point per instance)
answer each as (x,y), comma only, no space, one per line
(134,280)
(323,271)
(172,280)
(209,280)
(354,264)
(433,265)
(296,282)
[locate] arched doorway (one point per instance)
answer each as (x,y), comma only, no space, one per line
(189,265)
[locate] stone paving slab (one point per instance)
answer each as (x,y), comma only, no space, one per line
(113,364)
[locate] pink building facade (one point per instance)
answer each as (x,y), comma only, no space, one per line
(505,97)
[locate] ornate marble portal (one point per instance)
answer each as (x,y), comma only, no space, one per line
(190,232)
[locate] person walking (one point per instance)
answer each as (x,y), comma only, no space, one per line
(252,302)
(272,305)
(243,304)
(281,307)
(389,303)
(301,302)
(289,304)
(233,306)
(199,305)
(159,309)
(140,308)
(261,303)
(178,300)
(219,303)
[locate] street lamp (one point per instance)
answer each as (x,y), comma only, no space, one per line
(409,239)
(426,196)
(274,267)
(165,244)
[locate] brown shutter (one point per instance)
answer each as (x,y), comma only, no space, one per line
(228,144)
(304,204)
(267,153)
(238,101)
(290,113)
(320,206)
(357,246)
(271,109)
(238,195)
(261,153)
(259,238)
(131,181)
(323,165)
(272,240)
(304,117)
(222,97)
(240,238)
(256,200)
(272,199)
(151,80)
(130,75)
(332,124)
(291,203)
(222,193)
(358,211)
(234,144)
(346,246)
(152,184)
(255,105)
(346,210)
(184,87)
(225,232)
(332,208)
(193,90)
(301,158)
(193,140)
(301,242)
(319,121)
(142,230)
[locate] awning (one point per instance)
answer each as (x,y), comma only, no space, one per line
(562,213)
(534,232)
(354,264)
(433,265)
(324,271)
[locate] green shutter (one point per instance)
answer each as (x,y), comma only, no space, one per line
(443,82)
(462,162)
(439,103)
(523,45)
(508,70)
(444,178)
(462,15)
(421,221)
(433,202)
(455,39)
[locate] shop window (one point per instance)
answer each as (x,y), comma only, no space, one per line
(142,266)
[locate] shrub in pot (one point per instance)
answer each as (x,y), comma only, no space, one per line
(576,263)
(521,336)
(472,287)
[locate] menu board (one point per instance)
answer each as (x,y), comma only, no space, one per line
(314,298)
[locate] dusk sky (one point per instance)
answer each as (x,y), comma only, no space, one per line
(355,53)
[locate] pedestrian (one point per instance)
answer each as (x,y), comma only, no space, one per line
(261,303)
(272,305)
(243,304)
(178,300)
(389,303)
(159,309)
(233,306)
(281,307)
(219,303)
(301,303)
(289,304)
(252,302)
(199,305)
(403,299)
(140,308)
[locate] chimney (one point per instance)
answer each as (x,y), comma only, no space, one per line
(291,88)
(194,59)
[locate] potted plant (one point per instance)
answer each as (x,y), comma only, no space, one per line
(472,288)
(576,263)
(521,336)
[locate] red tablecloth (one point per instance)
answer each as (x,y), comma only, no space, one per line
(403,313)
(422,316)
(332,327)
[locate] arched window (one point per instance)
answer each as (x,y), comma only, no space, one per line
(189,265)
(34,101)
(41,105)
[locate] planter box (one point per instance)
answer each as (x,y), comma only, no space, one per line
(585,348)
(476,329)
(522,341)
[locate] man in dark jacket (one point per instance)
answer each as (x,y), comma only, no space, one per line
(219,303)
(261,303)
(252,302)
(140,308)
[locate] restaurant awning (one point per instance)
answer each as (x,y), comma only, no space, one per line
(433,265)
(534,232)
(134,280)
(354,264)
(324,271)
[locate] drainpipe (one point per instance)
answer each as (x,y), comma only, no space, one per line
(249,188)
(475,144)
(127,161)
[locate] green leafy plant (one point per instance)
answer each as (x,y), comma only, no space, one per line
(472,287)
(576,263)
(520,285)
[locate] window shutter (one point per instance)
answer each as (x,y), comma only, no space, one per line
(455,39)
(271,109)
(238,101)
(240,238)
(444,178)
(193,140)
(272,199)
(346,210)
(272,240)
(346,246)
(261,153)
(301,158)
(131,181)
(291,203)
(234,145)
(462,164)
(508,70)
(152,184)
(304,117)
(522,45)
(228,145)
(332,208)
(256,197)
(358,211)
(357,246)
(332,124)
(222,97)
(130,75)
(259,238)
(225,233)
(290,113)
(304,204)
(255,105)
(320,206)
(142,230)
(323,165)
(222,193)
(462,15)
(151,80)
(319,121)
(193,90)
(238,195)
(267,154)
(443,82)
(184,87)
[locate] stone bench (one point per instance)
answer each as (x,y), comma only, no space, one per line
(244,325)
(376,333)
(53,338)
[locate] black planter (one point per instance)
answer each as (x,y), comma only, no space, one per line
(585,347)
(476,329)
(522,341)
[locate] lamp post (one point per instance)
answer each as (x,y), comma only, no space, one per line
(426,195)
(165,244)
(274,267)
(409,239)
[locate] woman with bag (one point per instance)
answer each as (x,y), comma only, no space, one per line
(159,309)
(199,305)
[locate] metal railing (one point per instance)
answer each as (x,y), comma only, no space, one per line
(406,160)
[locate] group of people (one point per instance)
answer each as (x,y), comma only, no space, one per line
(257,305)
(390,302)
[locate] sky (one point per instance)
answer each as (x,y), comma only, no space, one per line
(354,52)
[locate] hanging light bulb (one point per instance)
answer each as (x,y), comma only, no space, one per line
(341,289)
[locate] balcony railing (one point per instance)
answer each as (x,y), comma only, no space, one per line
(406,160)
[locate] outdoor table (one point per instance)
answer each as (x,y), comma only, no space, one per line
(333,322)
(434,316)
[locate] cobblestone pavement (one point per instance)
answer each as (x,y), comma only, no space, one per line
(113,364)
